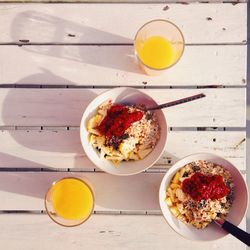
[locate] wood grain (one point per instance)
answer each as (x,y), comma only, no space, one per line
(55,150)
(55,23)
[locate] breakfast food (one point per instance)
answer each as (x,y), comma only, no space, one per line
(121,132)
(200,192)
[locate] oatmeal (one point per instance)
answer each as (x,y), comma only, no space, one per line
(121,133)
(199,192)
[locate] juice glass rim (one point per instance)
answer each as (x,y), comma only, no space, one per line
(166,21)
(75,178)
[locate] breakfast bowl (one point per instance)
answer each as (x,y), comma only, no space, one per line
(120,153)
(231,207)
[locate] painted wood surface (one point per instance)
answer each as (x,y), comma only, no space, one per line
(117,66)
(63,53)
(88,23)
(100,232)
(122,1)
(64,107)
(113,194)
(54,150)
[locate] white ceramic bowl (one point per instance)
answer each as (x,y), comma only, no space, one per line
(122,95)
(212,232)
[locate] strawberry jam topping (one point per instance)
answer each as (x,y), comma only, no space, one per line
(204,187)
(118,120)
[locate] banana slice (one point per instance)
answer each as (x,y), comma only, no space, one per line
(94,122)
(142,153)
(127,146)
(171,194)
(114,159)
(180,194)
(105,105)
(133,156)
(176,178)
(174,186)
(94,131)
(100,140)
(92,139)
(175,211)
(169,202)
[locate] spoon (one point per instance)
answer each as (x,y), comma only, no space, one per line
(234,230)
(176,102)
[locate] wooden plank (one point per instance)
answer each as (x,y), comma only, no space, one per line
(53,23)
(116,65)
(100,232)
(122,1)
(30,188)
(131,194)
(63,150)
(64,107)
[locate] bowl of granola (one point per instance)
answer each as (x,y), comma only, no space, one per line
(199,189)
(119,135)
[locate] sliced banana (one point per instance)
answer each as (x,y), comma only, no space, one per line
(174,186)
(174,211)
(114,159)
(94,122)
(169,202)
(176,178)
(144,152)
(127,146)
(180,194)
(94,131)
(133,156)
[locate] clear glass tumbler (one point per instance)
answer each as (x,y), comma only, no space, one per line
(159,44)
(69,201)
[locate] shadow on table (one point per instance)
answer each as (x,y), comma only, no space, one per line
(138,192)
(22,182)
(52,29)
(46,107)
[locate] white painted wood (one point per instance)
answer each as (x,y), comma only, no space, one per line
(130,194)
(63,149)
(122,1)
(88,23)
(100,232)
(223,107)
(116,65)
(88,65)
(26,191)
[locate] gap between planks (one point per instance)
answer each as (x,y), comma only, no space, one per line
(234,2)
(27,43)
(95,212)
(90,86)
(154,170)
(65,128)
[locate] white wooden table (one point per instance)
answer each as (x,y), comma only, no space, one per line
(55,58)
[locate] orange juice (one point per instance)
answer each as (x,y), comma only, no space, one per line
(157,52)
(72,199)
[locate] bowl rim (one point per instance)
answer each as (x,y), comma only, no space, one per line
(193,155)
(83,125)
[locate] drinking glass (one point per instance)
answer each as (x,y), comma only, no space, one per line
(159,44)
(69,201)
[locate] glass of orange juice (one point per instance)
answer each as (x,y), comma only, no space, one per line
(69,201)
(159,44)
